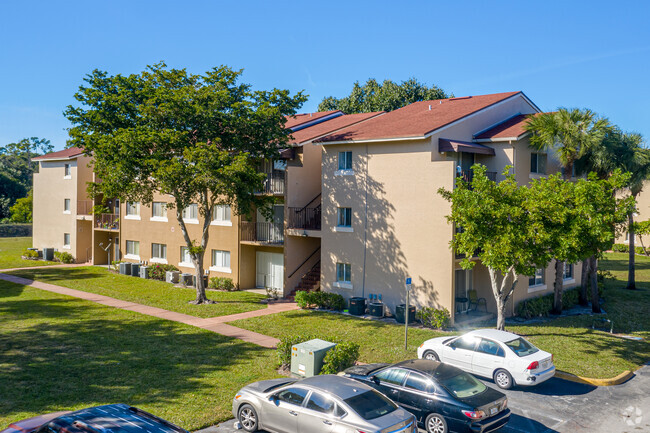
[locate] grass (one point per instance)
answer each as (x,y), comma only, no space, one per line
(94,279)
(62,353)
(577,349)
(12,248)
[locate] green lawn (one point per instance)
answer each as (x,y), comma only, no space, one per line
(99,280)
(577,349)
(62,353)
(12,248)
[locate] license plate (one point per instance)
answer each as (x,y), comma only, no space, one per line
(494,410)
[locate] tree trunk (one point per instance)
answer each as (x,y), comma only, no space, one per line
(558,285)
(584,283)
(197,258)
(630,265)
(502,293)
(593,279)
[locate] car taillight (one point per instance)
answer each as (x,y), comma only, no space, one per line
(504,405)
(474,414)
(533,365)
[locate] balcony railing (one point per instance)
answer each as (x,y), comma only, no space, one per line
(107,221)
(274,183)
(468,175)
(305,218)
(84,207)
(265,232)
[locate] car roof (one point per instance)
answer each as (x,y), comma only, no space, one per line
(437,370)
(115,418)
(340,386)
(494,334)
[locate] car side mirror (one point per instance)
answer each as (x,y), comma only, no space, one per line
(273,397)
(374,379)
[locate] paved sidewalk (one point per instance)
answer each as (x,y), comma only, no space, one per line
(214,324)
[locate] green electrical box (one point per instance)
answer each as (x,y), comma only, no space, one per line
(307,358)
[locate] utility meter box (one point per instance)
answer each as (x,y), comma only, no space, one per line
(307,358)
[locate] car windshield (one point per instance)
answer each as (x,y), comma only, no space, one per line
(521,347)
(463,385)
(370,405)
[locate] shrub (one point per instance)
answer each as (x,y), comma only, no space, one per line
(434,318)
(222,283)
(639,250)
(30,254)
(63,257)
(620,248)
(157,271)
(326,300)
(570,298)
(340,357)
(115,265)
(542,305)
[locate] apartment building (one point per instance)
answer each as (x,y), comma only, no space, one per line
(383,220)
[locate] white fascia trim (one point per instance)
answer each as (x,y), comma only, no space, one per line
(220,269)
(373,140)
(132,217)
(131,257)
(190,221)
(537,288)
(61,158)
(343,285)
(343,229)
(158,260)
(498,140)
(221,223)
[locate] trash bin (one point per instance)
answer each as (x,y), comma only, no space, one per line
(399,313)
(135,269)
(125,268)
(376,309)
(357,306)
(48,254)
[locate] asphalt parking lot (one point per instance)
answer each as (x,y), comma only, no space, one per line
(562,406)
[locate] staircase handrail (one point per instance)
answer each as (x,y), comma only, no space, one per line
(305,261)
(310,202)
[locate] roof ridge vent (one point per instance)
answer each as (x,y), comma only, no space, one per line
(460,97)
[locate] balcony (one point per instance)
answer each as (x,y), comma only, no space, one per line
(107,221)
(84,207)
(304,218)
(468,175)
(274,183)
(262,232)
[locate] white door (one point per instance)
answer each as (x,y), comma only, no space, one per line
(270,270)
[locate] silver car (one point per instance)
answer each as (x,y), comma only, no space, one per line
(319,404)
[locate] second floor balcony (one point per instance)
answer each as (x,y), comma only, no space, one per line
(304,218)
(107,221)
(262,232)
(468,175)
(84,207)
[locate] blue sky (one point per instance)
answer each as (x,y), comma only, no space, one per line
(586,54)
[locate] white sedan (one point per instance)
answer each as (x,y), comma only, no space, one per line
(503,356)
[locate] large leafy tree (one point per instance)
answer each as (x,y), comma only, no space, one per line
(570,134)
(386,96)
(197,138)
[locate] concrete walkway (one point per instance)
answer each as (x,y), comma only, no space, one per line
(214,324)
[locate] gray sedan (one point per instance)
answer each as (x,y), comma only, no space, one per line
(319,404)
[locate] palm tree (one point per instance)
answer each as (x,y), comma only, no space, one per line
(570,133)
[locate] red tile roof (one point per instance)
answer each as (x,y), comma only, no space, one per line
(61,154)
(511,128)
(417,119)
(299,119)
(330,126)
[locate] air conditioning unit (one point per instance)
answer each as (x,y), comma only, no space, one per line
(172,276)
(144,272)
(125,268)
(187,279)
(135,269)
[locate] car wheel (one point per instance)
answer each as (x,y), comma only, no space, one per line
(436,424)
(430,355)
(503,379)
(247,418)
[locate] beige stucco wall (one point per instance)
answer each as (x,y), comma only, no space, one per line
(642,214)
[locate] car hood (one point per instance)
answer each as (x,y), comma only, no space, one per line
(439,341)
(364,370)
(486,398)
(30,424)
(265,386)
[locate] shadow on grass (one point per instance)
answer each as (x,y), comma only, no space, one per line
(63,353)
(10,290)
(52,275)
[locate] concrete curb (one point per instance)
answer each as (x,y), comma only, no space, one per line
(596,382)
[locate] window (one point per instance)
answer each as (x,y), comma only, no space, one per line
(344,217)
(568,271)
(185,256)
(133,248)
(394,376)
(537,279)
(343,272)
(467,343)
(320,403)
(491,348)
(66,240)
(191,212)
(66,170)
(221,215)
(521,347)
(132,210)
(345,160)
(66,205)
(538,163)
(159,252)
(463,385)
(221,260)
(159,211)
(420,383)
(293,395)
(370,405)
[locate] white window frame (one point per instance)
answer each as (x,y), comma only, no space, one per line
(537,170)
(132,211)
(159,253)
(343,214)
(67,240)
(67,171)
(539,281)
(132,250)
(344,163)
(345,283)
(66,205)
(185,254)
(221,261)
(221,215)
(163,207)
(188,218)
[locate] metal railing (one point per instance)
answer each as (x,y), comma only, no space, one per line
(307,218)
(468,175)
(270,233)
(273,184)
(107,221)
(84,207)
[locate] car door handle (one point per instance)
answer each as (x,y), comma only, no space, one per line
(393,391)
(326,422)
(293,413)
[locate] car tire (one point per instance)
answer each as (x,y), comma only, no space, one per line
(503,379)
(431,355)
(247,417)
(436,423)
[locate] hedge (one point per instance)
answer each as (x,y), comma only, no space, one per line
(222,283)
(326,300)
(542,305)
(15,230)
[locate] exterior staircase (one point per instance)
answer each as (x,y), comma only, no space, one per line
(310,282)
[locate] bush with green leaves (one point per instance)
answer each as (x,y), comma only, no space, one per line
(222,283)
(542,305)
(158,271)
(340,357)
(620,248)
(434,318)
(30,254)
(63,257)
(325,300)
(640,250)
